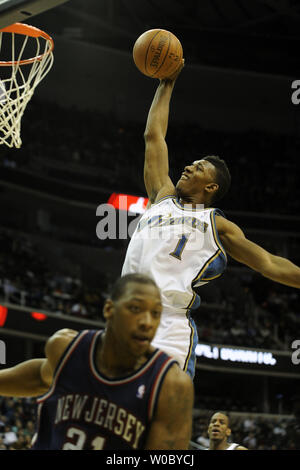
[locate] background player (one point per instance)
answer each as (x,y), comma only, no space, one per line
(109,389)
(218,433)
(194,251)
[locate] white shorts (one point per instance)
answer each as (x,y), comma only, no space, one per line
(177,336)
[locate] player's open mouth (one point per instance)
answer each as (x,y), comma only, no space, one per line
(184,177)
(142,340)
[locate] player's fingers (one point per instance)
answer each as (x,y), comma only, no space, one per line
(177,71)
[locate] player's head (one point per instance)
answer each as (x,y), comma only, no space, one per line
(133,312)
(208,178)
(219,427)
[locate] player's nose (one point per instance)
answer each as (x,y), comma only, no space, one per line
(188,168)
(146,320)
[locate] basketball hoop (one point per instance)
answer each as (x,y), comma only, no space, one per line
(19,75)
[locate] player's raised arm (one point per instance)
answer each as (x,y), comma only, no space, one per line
(33,378)
(276,268)
(171,426)
(156,168)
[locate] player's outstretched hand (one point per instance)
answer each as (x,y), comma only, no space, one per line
(174,76)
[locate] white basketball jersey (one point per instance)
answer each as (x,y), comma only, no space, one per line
(178,247)
(233,446)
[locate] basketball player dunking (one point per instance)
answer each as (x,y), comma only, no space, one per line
(181,241)
(218,433)
(109,389)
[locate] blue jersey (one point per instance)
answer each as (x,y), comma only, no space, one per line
(85,410)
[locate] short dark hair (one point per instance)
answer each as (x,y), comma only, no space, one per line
(222,413)
(119,286)
(223,177)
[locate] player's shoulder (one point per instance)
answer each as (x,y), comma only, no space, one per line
(64,334)
(177,380)
(224,225)
(58,342)
(176,394)
(166,194)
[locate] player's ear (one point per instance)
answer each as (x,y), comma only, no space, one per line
(228,432)
(108,309)
(211,187)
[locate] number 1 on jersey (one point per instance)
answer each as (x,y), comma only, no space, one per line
(180,247)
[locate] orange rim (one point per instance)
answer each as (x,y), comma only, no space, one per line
(27,30)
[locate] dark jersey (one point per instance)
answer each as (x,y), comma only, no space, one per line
(83,409)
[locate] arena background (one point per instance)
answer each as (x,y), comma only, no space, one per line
(83,141)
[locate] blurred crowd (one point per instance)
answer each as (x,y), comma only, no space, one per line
(25,279)
(248,311)
(17,423)
(264,166)
(242,309)
(255,432)
(239,309)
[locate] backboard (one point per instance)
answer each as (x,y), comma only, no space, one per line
(12,11)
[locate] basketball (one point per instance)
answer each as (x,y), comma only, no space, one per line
(157,53)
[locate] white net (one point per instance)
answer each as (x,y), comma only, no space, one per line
(24,62)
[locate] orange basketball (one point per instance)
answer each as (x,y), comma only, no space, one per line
(157,53)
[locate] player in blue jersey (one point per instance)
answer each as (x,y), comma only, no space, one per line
(182,242)
(109,389)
